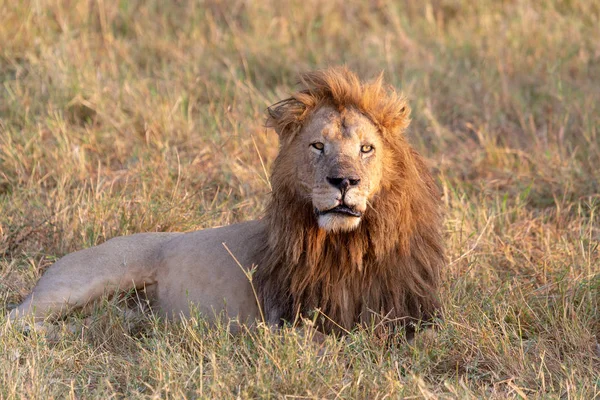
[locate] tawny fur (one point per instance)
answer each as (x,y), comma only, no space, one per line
(382,268)
(385,272)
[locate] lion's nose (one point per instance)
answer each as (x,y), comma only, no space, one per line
(343,183)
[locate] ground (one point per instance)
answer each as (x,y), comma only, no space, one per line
(132,116)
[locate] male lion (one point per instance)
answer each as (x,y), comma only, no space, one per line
(352,228)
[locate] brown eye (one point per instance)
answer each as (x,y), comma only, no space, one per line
(318,145)
(366,148)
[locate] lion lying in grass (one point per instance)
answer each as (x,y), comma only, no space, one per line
(352,229)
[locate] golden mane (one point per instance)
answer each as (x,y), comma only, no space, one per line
(387,109)
(384,272)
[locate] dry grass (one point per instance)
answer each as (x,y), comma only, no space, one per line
(130,116)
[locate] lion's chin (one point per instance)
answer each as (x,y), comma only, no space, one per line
(333,222)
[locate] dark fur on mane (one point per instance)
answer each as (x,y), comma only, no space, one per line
(387,271)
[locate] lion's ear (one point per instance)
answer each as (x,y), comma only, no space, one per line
(395,114)
(286,118)
(400,121)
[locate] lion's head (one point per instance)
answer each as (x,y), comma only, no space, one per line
(338,163)
(353,222)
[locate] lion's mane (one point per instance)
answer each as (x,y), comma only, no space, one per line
(387,270)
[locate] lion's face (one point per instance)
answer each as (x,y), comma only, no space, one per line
(340,166)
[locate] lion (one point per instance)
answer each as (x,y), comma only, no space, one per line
(351,234)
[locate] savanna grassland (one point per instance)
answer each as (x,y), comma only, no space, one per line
(119,117)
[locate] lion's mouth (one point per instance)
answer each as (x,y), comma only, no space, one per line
(342,209)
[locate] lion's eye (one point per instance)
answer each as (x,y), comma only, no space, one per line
(318,145)
(366,148)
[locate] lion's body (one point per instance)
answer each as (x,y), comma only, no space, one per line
(352,228)
(176,269)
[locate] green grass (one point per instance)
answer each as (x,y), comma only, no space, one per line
(132,116)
